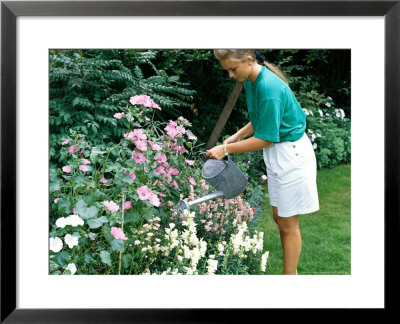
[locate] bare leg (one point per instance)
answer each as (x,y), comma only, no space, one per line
(290,239)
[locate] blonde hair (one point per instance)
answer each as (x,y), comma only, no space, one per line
(238,55)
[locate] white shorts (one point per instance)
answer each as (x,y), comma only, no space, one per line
(292,177)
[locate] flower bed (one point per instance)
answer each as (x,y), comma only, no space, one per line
(113,207)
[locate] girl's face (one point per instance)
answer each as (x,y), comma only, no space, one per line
(240,71)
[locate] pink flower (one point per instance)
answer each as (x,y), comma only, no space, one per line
(129,135)
(85,161)
(203,184)
(144,101)
(264,177)
(103,180)
(137,242)
(192,181)
(118,233)
(154,200)
(56,200)
(66,169)
(189,162)
(111,206)
(159,170)
(138,157)
(191,136)
(133,175)
(72,150)
(171,131)
(83,168)
(155,146)
(119,115)
(141,145)
(160,158)
(138,133)
(144,193)
(65,142)
(185,121)
(127,205)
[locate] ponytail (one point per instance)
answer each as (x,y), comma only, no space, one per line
(273,68)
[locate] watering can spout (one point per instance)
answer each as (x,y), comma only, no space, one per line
(183,204)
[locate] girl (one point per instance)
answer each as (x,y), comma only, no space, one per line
(277,126)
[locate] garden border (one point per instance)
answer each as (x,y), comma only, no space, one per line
(10,10)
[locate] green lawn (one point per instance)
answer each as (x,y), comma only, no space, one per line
(326,234)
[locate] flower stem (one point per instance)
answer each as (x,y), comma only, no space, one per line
(122,228)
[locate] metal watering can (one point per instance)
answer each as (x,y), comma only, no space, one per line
(224,176)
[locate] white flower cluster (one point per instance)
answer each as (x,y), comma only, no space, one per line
(313,137)
(242,243)
(73,220)
(188,243)
(56,244)
(264,259)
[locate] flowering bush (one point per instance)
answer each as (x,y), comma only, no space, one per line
(112,207)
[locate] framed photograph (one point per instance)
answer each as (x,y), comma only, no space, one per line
(29,29)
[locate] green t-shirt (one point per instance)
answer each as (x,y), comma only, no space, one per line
(274,112)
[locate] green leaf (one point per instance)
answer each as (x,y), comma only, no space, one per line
(131,217)
(126,260)
(84,212)
(55,185)
(105,257)
(64,205)
(62,258)
(117,245)
(97,222)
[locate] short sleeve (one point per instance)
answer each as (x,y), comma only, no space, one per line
(269,120)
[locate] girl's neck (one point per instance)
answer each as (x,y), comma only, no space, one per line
(254,73)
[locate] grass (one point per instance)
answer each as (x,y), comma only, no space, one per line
(326,234)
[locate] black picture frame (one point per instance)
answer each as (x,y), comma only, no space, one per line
(10,10)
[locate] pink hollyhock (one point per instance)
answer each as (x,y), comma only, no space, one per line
(155,146)
(86,161)
(119,115)
(111,206)
(189,162)
(144,193)
(103,180)
(66,169)
(144,101)
(127,205)
(160,158)
(65,142)
(141,145)
(118,233)
(192,181)
(133,175)
(83,168)
(138,157)
(56,200)
(154,200)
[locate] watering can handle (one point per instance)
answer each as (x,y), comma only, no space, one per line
(204,158)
